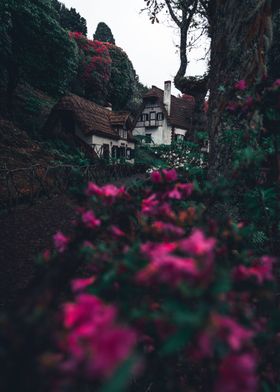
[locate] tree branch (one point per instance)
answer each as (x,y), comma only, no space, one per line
(172,14)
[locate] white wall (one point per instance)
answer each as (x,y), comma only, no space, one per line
(98,142)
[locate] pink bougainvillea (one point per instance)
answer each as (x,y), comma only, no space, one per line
(109,193)
(80,284)
(60,241)
(90,220)
(95,64)
(198,244)
(95,344)
(174,262)
(261,270)
(237,373)
(241,85)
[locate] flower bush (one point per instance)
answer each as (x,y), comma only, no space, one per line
(187,156)
(154,290)
(94,69)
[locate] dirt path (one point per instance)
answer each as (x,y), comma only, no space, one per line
(24,233)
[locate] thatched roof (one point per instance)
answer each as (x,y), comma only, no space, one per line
(91,118)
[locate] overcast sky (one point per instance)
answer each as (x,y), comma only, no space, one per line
(151,48)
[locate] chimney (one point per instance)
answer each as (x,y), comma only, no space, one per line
(167,96)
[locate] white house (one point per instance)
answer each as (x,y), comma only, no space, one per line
(164,118)
(95,128)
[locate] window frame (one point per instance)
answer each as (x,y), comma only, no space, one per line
(160,116)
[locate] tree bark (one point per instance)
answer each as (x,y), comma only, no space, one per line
(240,38)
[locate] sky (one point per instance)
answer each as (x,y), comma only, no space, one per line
(150,47)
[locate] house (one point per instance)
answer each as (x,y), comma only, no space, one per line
(95,128)
(164,118)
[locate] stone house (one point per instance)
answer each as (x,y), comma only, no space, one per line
(94,128)
(164,118)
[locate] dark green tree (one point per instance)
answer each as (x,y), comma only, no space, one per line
(35,48)
(103,33)
(70,19)
(123,78)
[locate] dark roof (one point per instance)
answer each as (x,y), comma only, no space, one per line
(92,118)
(181,108)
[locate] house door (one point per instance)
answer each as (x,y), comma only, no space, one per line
(106,152)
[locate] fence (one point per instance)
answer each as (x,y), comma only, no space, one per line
(23,185)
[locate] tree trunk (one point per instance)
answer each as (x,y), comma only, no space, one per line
(240,38)
(183,56)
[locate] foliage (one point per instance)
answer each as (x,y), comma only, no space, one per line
(70,19)
(197,299)
(123,81)
(103,33)
(35,47)
(158,289)
(186,157)
(94,67)
(252,119)
(66,153)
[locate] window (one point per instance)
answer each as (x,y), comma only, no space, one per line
(128,154)
(144,117)
(152,115)
(121,152)
(115,152)
(148,138)
(179,138)
(122,133)
(159,116)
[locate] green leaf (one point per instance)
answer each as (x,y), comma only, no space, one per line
(118,382)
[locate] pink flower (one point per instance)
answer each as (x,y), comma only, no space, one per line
(168,269)
(276,83)
(174,194)
(224,329)
(60,241)
(229,331)
(262,270)
(237,373)
(117,231)
(164,266)
(170,175)
(108,191)
(197,244)
(241,85)
(186,189)
(149,204)
(90,220)
(80,284)
(168,228)
(156,177)
(95,344)
(111,347)
(93,190)
(112,191)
